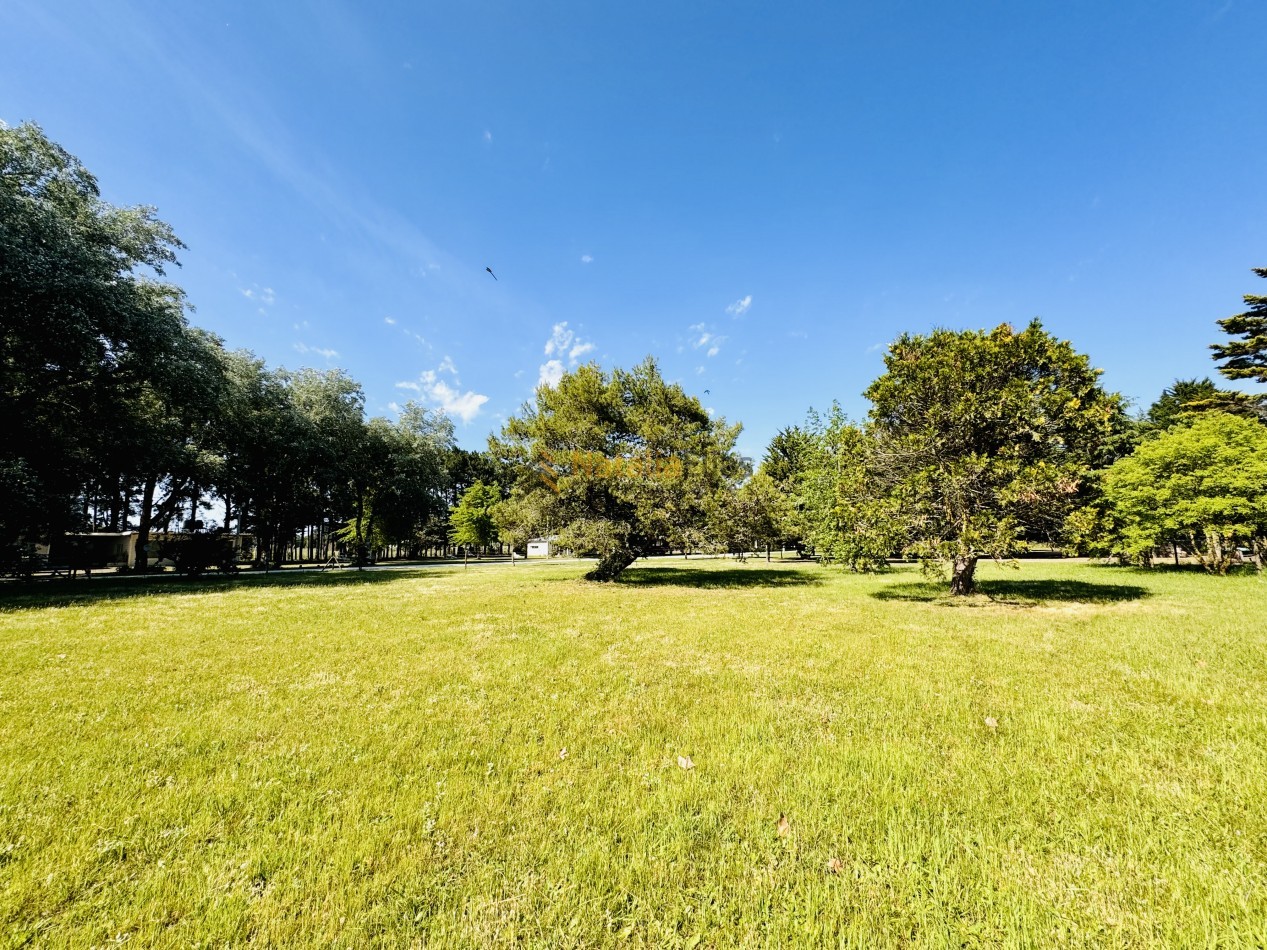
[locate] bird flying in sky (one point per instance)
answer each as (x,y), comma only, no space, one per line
(490,273)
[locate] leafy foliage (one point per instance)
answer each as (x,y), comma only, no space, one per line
(522,517)
(848,519)
(1245,358)
(629,460)
(787,460)
(471,522)
(1204,480)
(748,518)
(983,439)
(1187,396)
(101,378)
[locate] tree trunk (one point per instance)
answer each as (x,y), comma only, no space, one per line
(116,505)
(369,533)
(1219,556)
(143,525)
(962,582)
(612,566)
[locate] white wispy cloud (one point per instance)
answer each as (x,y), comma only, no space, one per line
(262,133)
(740,306)
(564,346)
(450,399)
(488,136)
(390,321)
(560,339)
(587,259)
(550,374)
(464,405)
(705,339)
(264,296)
(305,349)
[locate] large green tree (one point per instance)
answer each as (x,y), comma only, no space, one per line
(398,479)
(746,519)
(411,486)
(847,516)
(1186,396)
(93,344)
(1203,481)
(521,517)
(1246,357)
(630,462)
(471,522)
(787,460)
(984,439)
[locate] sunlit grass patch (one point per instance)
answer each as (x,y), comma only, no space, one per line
(493,756)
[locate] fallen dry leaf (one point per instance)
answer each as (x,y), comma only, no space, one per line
(785,826)
(991,722)
(685,762)
(835,866)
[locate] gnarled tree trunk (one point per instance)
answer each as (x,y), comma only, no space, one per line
(962,571)
(612,565)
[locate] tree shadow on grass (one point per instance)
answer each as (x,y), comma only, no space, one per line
(66,593)
(1014,593)
(725,578)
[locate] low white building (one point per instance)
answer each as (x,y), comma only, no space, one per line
(541,547)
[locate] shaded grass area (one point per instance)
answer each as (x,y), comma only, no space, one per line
(714,577)
(1022,593)
(62,592)
(491,758)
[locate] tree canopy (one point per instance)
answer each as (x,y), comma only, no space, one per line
(471,521)
(1203,481)
(623,463)
(1245,358)
(121,413)
(101,376)
(117,407)
(983,438)
(847,515)
(1186,396)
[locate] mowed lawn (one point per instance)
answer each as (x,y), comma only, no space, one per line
(485,757)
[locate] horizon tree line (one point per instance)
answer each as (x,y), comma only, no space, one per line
(977,443)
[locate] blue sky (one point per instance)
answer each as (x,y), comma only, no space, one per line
(760,195)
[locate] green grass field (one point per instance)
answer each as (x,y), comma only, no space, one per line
(469,758)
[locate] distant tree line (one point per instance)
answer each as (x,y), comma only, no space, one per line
(978,444)
(121,415)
